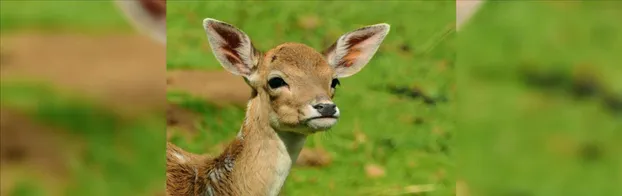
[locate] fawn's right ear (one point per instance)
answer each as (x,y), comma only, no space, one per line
(232,47)
(353,50)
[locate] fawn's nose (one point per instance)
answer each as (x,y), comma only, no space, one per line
(326,109)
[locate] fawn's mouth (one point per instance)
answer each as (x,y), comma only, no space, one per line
(321,122)
(323,117)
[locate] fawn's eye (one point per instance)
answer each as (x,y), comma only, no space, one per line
(334,83)
(276,82)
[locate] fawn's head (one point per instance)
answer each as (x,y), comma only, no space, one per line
(294,82)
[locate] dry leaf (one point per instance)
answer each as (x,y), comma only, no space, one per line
(396,190)
(180,118)
(313,158)
(360,137)
(412,163)
(561,145)
(442,65)
(438,131)
(309,22)
(439,175)
(296,178)
(461,188)
(374,171)
(419,188)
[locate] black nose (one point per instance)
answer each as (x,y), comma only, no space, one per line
(326,109)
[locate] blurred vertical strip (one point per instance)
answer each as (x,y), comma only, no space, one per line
(540,87)
(82,102)
(465,9)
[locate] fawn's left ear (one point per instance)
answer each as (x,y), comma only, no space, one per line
(232,47)
(353,50)
(149,16)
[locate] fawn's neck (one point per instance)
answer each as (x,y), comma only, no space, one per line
(266,154)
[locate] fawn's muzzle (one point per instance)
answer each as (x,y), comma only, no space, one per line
(326,109)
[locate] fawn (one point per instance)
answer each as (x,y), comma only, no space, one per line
(292,87)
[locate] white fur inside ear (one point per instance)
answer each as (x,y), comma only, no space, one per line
(231,46)
(354,49)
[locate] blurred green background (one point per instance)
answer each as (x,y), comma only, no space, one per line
(61,138)
(540,87)
(396,126)
(65,16)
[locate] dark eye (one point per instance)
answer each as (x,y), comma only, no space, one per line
(276,82)
(334,83)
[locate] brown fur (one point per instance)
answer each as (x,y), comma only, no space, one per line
(191,175)
(253,163)
(307,73)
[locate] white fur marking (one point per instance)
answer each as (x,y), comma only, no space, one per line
(210,190)
(196,174)
(253,78)
(229,163)
(240,135)
(181,158)
(337,114)
(212,176)
(282,166)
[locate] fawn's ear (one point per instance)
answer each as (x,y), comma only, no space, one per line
(353,50)
(232,47)
(149,16)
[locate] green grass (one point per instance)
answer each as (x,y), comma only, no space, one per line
(535,81)
(119,157)
(411,151)
(68,16)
